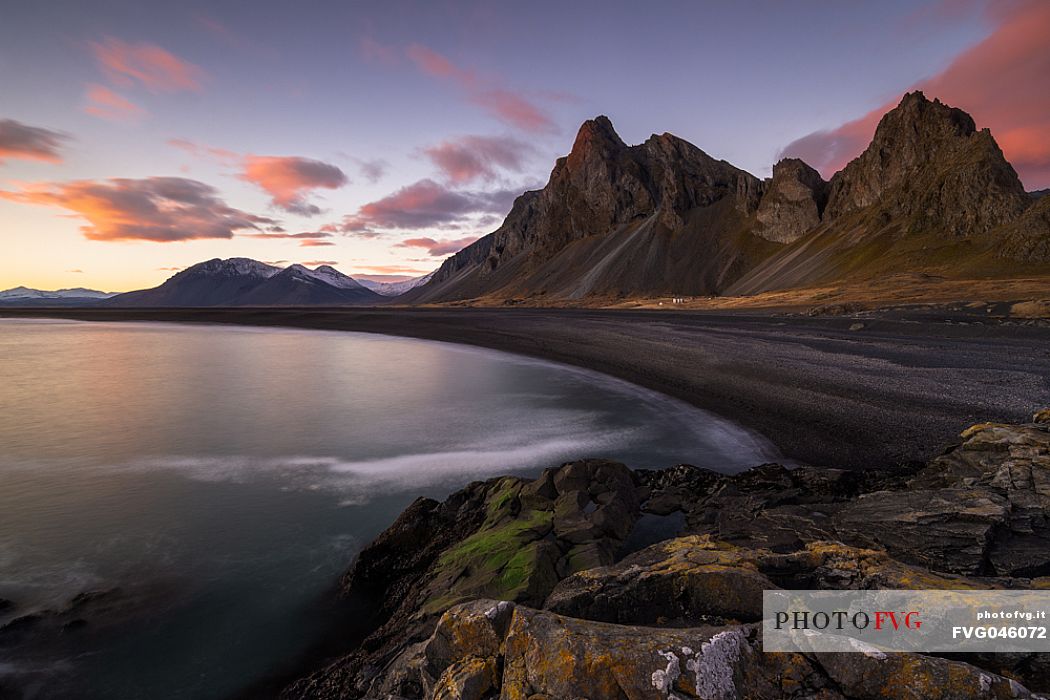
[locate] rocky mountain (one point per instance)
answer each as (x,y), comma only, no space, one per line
(246,282)
(931,192)
(23,296)
(793,202)
(615,219)
(393,289)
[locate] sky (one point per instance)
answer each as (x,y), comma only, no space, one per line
(138,138)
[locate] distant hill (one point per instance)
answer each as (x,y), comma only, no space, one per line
(77,296)
(931,193)
(246,282)
(393,289)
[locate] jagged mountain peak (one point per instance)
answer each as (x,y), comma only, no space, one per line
(596,142)
(918,126)
(793,202)
(597,130)
(929,169)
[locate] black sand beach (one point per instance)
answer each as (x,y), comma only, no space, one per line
(823,393)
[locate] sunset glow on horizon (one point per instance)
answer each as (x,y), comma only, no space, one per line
(137,139)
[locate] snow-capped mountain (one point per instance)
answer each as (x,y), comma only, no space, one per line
(43,297)
(332,276)
(72,293)
(393,289)
(247,282)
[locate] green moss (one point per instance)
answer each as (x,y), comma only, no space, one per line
(492,548)
(497,561)
(500,500)
(516,573)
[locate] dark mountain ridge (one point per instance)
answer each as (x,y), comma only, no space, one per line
(931,192)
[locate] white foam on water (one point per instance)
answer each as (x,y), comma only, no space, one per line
(359,480)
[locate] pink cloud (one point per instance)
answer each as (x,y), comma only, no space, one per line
(434,64)
(317,263)
(438,248)
(25,142)
(514,109)
(220,155)
(472,157)
(160,209)
(314,244)
(424,204)
(288,179)
(999,81)
(280,234)
(505,104)
(126,64)
(106,104)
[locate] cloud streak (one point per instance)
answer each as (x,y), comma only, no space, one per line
(372,170)
(107,104)
(158,70)
(999,81)
(220,155)
(425,204)
(507,105)
(158,209)
(470,158)
(24,142)
(438,248)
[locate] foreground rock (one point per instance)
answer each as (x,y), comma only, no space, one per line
(593,581)
(697,580)
(545,655)
(979,509)
(507,538)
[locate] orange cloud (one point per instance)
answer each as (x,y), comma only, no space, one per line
(25,142)
(438,248)
(288,179)
(472,157)
(1000,80)
(160,209)
(156,69)
(505,104)
(314,244)
(106,104)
